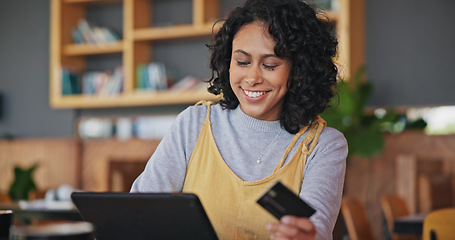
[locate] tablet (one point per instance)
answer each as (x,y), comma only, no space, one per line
(121,215)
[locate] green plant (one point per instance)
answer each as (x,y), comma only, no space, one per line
(23,183)
(363,131)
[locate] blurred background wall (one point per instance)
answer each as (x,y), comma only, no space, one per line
(409,53)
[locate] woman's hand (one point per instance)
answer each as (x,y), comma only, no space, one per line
(292,227)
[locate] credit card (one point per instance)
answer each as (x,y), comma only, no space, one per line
(280,201)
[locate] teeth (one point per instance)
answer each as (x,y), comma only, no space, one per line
(253,94)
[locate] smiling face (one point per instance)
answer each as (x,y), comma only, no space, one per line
(257,76)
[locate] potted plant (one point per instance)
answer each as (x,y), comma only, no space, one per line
(23,183)
(347,114)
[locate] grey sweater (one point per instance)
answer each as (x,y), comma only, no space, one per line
(241,139)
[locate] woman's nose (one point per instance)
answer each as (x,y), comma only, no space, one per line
(253,76)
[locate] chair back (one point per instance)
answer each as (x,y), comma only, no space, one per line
(123,172)
(439,225)
(356,220)
(435,192)
(393,206)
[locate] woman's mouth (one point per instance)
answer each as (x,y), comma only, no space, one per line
(252,94)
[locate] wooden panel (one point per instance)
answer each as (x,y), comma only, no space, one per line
(69,17)
(139,12)
(57,159)
(205,11)
(97,154)
(406,168)
(6,166)
(351,31)
(142,54)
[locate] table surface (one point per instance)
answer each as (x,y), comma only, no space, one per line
(411,224)
(26,216)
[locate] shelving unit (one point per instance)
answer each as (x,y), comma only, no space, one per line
(136,45)
(135,48)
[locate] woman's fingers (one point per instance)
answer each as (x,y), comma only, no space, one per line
(291,227)
(303,224)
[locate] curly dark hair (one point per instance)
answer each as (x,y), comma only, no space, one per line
(300,36)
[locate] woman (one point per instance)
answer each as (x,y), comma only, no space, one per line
(272,62)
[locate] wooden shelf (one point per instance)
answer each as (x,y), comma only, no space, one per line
(136,99)
(332,15)
(173,32)
(90,49)
(91,1)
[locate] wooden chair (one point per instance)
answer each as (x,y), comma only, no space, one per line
(123,172)
(355,218)
(435,192)
(439,225)
(394,206)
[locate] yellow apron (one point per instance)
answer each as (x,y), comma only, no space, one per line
(230,202)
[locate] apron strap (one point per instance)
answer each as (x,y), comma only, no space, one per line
(208,103)
(312,137)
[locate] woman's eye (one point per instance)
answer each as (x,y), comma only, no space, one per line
(239,63)
(269,67)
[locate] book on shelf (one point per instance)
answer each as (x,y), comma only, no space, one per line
(87,33)
(71,82)
(151,77)
(103,83)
